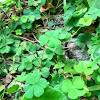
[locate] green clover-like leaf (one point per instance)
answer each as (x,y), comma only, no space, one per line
(38,91)
(59,65)
(59,50)
(45,72)
(73,94)
(54,43)
(74,88)
(98,78)
(85,21)
(37,61)
(12,89)
(84,66)
(24,19)
(29,93)
(78,83)
(63,34)
(18,32)
(32,78)
(43,39)
(66,86)
(32,18)
(42,83)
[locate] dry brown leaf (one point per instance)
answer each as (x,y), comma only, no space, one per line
(46,7)
(88,77)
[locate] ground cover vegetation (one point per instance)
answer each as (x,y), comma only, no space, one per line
(32,53)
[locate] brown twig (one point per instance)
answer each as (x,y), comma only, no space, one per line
(54,28)
(76,32)
(59,5)
(23,38)
(36,38)
(29,41)
(69,47)
(4,60)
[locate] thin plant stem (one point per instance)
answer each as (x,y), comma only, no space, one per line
(4,61)
(36,38)
(76,32)
(28,40)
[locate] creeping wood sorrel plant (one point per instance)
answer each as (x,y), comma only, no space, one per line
(31,49)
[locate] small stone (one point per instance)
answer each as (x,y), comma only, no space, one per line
(58,19)
(15,83)
(8,79)
(76,53)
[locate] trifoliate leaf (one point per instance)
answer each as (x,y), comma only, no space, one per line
(51,93)
(84,37)
(15,17)
(18,32)
(86,21)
